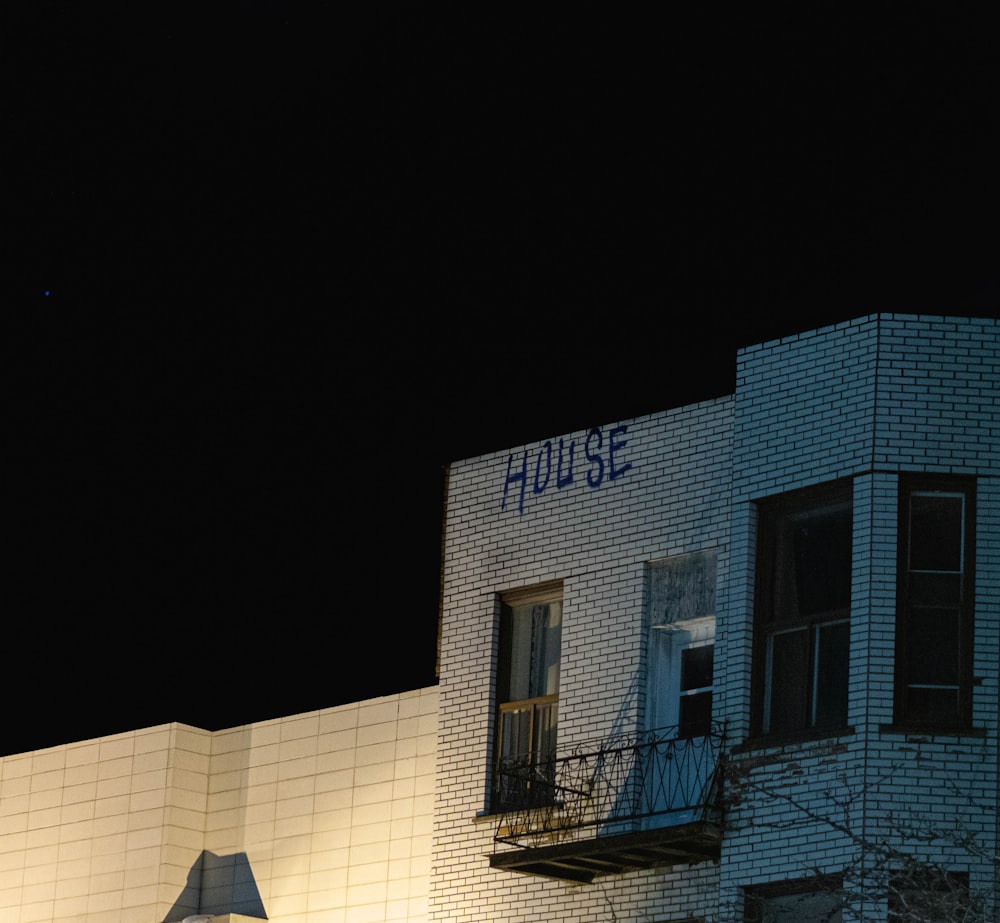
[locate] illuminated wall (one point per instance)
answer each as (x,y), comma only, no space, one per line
(319,817)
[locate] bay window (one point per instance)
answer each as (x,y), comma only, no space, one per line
(802,611)
(935,601)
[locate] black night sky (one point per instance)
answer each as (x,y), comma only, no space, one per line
(267,271)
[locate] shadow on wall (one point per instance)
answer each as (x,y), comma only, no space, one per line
(218,885)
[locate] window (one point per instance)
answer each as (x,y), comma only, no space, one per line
(802,612)
(935,602)
(695,705)
(681,599)
(528,695)
(932,894)
(817,900)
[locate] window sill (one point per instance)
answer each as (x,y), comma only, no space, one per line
(932,730)
(770,742)
(495,814)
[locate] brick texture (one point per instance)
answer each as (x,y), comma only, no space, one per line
(863,402)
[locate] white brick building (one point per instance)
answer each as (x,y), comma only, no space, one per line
(832,526)
(735,661)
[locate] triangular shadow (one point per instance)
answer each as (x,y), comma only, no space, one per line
(218,885)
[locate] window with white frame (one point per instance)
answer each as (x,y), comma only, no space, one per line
(681,603)
(935,601)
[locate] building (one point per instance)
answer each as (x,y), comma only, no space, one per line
(734,661)
(299,818)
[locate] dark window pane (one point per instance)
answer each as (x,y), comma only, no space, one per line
(935,532)
(823,561)
(935,706)
(936,589)
(815,907)
(930,895)
(933,641)
(935,610)
(789,665)
(832,651)
(695,715)
(812,907)
(696,667)
(805,569)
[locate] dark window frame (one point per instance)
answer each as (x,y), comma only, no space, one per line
(773,514)
(756,896)
(934,889)
(906,712)
(540,708)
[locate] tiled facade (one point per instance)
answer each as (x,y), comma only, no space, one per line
(323,817)
(641,537)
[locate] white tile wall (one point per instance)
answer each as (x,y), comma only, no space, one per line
(331,811)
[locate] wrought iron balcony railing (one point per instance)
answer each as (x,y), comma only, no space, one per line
(627,784)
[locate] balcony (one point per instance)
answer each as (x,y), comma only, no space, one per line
(633,802)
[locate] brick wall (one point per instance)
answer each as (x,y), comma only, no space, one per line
(861,401)
(658,487)
(804,415)
(867,400)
